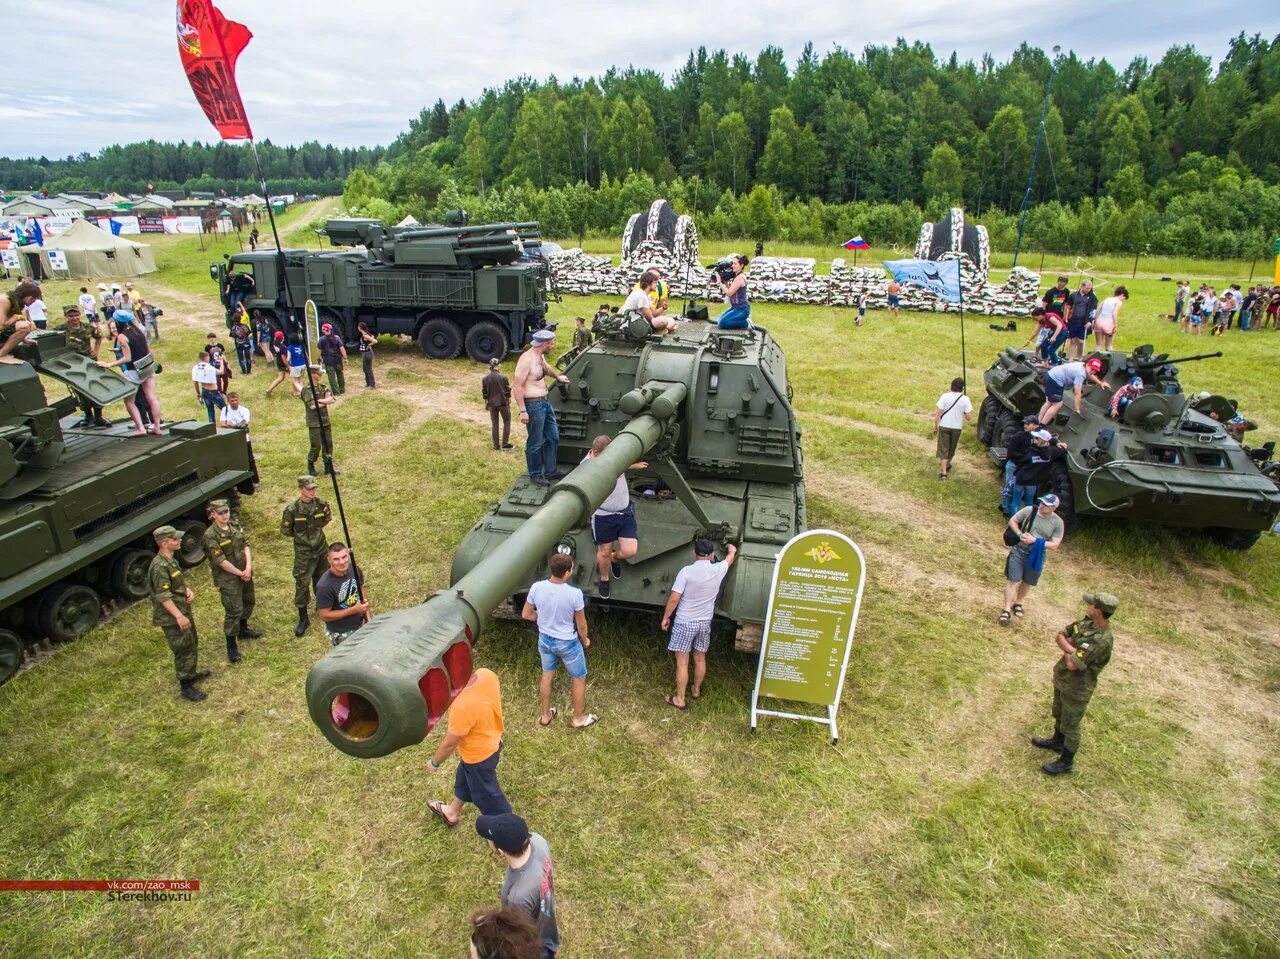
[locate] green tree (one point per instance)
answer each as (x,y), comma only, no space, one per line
(1126,185)
(733,152)
(758,213)
(944,176)
(475,157)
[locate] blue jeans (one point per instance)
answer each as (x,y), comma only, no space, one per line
(244,353)
(554,651)
(735,318)
(1244,319)
(211,399)
(543,445)
(1022,496)
(1006,491)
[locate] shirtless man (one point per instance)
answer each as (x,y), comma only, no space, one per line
(13,321)
(530,390)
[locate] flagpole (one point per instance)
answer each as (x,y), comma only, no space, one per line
(325,439)
(964,366)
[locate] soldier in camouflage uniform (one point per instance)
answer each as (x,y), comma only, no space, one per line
(171,610)
(231,564)
(1086,648)
(80,339)
(304,521)
(318,419)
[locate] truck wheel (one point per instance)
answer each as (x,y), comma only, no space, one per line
(68,610)
(1236,539)
(486,341)
(128,574)
(191,553)
(440,338)
(11,654)
(1060,486)
(1007,427)
(988,414)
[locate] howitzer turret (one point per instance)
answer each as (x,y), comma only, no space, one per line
(387,685)
(466,247)
(709,413)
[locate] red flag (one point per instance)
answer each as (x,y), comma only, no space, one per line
(209,45)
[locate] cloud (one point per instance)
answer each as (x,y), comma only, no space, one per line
(354,75)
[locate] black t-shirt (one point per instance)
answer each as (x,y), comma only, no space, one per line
(1083,306)
(1054,298)
(333,592)
(1019,446)
(1034,468)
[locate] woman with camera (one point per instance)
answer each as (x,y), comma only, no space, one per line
(738,316)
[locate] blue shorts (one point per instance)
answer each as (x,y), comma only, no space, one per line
(1075,331)
(1053,390)
(608,527)
(477,783)
(568,651)
(893,299)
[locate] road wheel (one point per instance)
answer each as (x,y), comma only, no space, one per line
(1060,486)
(11,654)
(68,610)
(440,338)
(486,341)
(128,574)
(1237,539)
(191,553)
(988,414)
(1008,425)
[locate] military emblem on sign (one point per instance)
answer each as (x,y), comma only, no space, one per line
(823,553)
(188,36)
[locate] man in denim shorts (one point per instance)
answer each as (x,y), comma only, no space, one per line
(558,609)
(693,603)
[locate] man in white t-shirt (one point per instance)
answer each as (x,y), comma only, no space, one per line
(951,413)
(88,305)
(640,301)
(205,377)
(235,416)
(38,313)
(693,603)
(559,611)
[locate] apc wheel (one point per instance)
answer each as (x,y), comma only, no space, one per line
(1008,425)
(1060,486)
(68,610)
(11,654)
(128,574)
(486,341)
(1237,539)
(191,553)
(440,338)
(988,414)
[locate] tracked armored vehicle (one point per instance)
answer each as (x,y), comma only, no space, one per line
(709,410)
(77,505)
(1161,462)
(449,287)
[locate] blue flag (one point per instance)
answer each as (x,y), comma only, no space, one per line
(37,234)
(940,277)
(115,227)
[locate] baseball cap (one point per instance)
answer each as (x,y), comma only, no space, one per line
(166,532)
(278,336)
(122,316)
(505,830)
(1136,382)
(704,547)
(543,336)
(327,328)
(1104,601)
(219,506)
(1048,499)
(1031,419)
(1094,364)
(68,310)
(1044,435)
(306,481)
(311,367)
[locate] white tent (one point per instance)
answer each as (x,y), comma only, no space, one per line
(93,253)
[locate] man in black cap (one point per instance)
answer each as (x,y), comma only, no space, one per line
(1014,455)
(1086,647)
(334,354)
(528,883)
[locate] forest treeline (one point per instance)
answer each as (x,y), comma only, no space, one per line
(1176,156)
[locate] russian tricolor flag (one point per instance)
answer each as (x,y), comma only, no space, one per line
(857,243)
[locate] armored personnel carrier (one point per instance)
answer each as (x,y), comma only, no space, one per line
(449,287)
(709,410)
(1160,462)
(77,506)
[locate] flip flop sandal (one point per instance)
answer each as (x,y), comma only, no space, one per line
(592,719)
(1004,618)
(1017,610)
(437,807)
(695,695)
(554,713)
(670,700)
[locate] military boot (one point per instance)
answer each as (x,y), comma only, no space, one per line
(233,650)
(1060,765)
(190,692)
(246,632)
(304,622)
(311,469)
(1054,743)
(203,674)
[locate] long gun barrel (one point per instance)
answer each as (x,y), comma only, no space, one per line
(1153,363)
(389,683)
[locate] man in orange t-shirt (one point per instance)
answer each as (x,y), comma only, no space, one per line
(475,731)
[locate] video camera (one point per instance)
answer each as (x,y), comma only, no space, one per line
(723,268)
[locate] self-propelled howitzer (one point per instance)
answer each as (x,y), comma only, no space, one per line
(708,410)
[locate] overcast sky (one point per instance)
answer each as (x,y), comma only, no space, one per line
(353,73)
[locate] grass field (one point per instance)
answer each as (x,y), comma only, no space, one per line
(928,831)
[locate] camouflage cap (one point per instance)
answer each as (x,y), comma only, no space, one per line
(306,481)
(71,308)
(162,533)
(1104,601)
(219,506)
(314,369)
